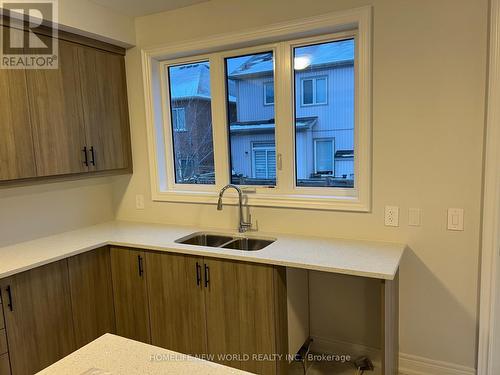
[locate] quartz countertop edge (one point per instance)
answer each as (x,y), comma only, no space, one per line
(373,259)
(111,354)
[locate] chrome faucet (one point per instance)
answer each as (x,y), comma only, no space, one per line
(244,225)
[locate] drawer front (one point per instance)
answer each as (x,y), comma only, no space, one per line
(4,364)
(3,342)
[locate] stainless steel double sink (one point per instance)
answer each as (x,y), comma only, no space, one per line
(226,241)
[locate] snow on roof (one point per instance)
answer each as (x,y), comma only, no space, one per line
(317,54)
(301,123)
(190,81)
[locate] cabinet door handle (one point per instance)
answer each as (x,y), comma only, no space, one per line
(198,274)
(92,161)
(207,276)
(140,266)
(86,158)
(9,295)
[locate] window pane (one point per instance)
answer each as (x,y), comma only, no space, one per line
(307,91)
(324,163)
(190,101)
(269,94)
(251,121)
(321,91)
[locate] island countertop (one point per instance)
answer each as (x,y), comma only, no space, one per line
(372,259)
(111,354)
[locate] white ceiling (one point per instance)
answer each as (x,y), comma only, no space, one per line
(136,8)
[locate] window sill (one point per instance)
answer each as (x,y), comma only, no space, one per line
(309,202)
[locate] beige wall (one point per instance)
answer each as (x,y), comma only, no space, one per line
(39,210)
(97,20)
(428,105)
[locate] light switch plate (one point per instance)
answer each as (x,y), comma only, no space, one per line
(415,217)
(391,218)
(455,219)
(139,202)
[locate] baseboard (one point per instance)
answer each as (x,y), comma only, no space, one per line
(408,364)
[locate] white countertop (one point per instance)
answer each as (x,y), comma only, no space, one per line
(111,354)
(372,259)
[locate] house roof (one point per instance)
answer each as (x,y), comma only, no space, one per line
(264,126)
(318,54)
(191,81)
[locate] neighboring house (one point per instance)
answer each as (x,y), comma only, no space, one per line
(324,116)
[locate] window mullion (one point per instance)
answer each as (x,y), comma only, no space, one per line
(284,101)
(219,121)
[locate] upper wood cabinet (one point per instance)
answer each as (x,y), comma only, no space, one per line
(57,115)
(105,108)
(16,144)
(91,295)
(69,120)
(38,317)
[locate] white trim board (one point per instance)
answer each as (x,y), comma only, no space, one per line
(491,203)
(408,364)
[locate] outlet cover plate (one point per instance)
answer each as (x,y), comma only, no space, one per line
(391,217)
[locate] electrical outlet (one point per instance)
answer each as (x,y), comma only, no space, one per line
(391,216)
(139,202)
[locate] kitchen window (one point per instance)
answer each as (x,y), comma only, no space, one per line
(273,118)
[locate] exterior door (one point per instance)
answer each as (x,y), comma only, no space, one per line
(128,268)
(176,302)
(240,312)
(38,317)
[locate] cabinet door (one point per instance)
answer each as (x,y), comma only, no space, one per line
(176,302)
(56,114)
(16,145)
(240,310)
(130,294)
(105,107)
(91,295)
(38,317)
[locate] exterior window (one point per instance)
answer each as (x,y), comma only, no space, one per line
(264,160)
(179,119)
(314,91)
(250,120)
(324,156)
(190,100)
(268,93)
(316,127)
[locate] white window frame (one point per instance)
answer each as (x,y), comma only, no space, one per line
(314,81)
(355,23)
(332,141)
(175,126)
(266,84)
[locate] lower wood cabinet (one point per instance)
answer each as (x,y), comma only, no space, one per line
(177,304)
(91,295)
(130,291)
(38,317)
(234,312)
